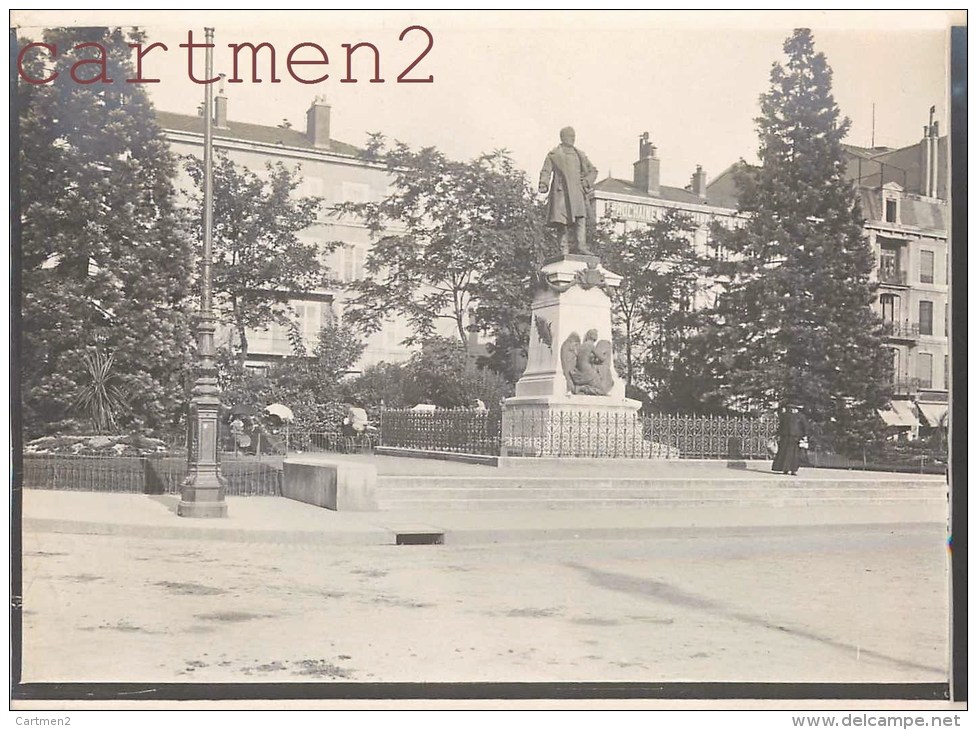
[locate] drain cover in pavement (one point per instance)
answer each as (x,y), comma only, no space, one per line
(417,534)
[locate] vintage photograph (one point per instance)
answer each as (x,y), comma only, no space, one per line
(456,354)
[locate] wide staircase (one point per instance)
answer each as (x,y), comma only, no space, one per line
(500,490)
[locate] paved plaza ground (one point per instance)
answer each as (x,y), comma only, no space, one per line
(803,602)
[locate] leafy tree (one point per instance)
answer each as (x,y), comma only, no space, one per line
(450,237)
(239,385)
(794,318)
(310,383)
(506,289)
(106,263)
(443,373)
(379,383)
(315,377)
(258,256)
(654,308)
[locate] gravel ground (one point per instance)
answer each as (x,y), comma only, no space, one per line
(813,604)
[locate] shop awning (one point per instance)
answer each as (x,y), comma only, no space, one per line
(932,412)
(902,415)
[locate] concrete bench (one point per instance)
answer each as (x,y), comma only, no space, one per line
(343,486)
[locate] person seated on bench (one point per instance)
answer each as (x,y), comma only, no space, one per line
(356,422)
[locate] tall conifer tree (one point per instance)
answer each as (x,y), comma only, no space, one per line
(106,263)
(795,318)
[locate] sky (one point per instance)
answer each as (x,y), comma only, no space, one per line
(513,79)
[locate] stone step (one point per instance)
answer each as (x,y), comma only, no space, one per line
(501,490)
(778,500)
(652,492)
(651,481)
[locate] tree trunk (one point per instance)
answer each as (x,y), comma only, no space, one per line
(460,323)
(243,342)
(628,355)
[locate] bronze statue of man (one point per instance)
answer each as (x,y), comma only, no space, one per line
(568,177)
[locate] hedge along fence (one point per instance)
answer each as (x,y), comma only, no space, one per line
(144,474)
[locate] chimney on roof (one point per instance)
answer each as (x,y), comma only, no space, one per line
(317,123)
(220,107)
(929,152)
(699,182)
(647,169)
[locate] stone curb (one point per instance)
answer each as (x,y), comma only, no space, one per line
(388,534)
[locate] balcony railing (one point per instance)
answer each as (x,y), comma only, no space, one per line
(893,276)
(905,386)
(904,330)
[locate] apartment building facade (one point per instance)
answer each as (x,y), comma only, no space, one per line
(643,199)
(903,194)
(330,169)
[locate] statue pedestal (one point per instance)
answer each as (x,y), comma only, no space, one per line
(556,411)
(573,301)
(574,426)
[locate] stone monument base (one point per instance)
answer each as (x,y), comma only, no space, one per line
(577,426)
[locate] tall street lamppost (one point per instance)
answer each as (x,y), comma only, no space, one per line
(203,490)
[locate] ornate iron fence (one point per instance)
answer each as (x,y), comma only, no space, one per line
(617,433)
(451,430)
(712,437)
(578,433)
(85,473)
(145,474)
(314,442)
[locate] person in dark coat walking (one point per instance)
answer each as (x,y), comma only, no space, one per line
(792,428)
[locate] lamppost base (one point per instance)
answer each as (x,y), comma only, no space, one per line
(202,509)
(203,494)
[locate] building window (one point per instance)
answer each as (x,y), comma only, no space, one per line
(891,210)
(351,259)
(925,318)
(359,255)
(307,322)
(924,369)
(946,372)
(895,363)
(312,187)
(353,192)
(889,266)
(925,267)
(270,341)
(327,315)
(889,302)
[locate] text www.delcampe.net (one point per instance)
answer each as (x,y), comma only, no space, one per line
(866,720)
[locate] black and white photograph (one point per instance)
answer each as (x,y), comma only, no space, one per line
(495,356)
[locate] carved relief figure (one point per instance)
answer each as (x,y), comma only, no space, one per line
(568,357)
(587,364)
(603,354)
(544,328)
